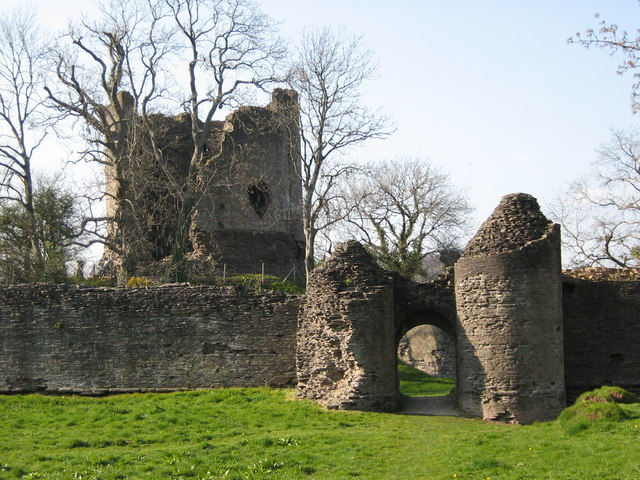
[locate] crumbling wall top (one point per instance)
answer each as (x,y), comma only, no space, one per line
(515,222)
(604,274)
(350,264)
(283,98)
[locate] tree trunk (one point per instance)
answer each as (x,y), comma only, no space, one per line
(309,231)
(178,257)
(35,266)
(309,251)
(125,222)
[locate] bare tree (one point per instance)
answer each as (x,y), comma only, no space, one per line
(113,77)
(332,206)
(230,47)
(23,124)
(405,210)
(610,37)
(109,73)
(600,215)
(329,72)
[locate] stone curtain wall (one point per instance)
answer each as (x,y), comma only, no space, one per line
(509,333)
(346,335)
(604,274)
(508,296)
(66,339)
(602,332)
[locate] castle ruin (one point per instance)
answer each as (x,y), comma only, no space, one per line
(503,308)
(527,337)
(249,194)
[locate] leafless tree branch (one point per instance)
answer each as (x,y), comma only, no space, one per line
(328,73)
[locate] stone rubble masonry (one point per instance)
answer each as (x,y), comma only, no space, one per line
(259,148)
(603,274)
(346,355)
(67,339)
(249,208)
(516,221)
(508,297)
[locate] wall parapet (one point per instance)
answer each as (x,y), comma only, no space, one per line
(604,274)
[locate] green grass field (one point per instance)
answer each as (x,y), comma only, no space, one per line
(414,383)
(265,434)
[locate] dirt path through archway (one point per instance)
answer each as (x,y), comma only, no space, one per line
(434,406)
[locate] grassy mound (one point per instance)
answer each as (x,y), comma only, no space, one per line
(592,412)
(601,405)
(608,394)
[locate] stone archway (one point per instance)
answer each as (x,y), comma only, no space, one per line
(504,311)
(426,304)
(354,316)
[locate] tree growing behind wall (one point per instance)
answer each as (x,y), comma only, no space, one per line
(107,72)
(230,47)
(52,228)
(329,72)
(34,236)
(600,214)
(405,210)
(116,73)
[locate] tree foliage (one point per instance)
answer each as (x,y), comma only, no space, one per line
(405,210)
(23,127)
(52,231)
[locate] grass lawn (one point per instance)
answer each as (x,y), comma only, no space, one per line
(414,383)
(264,434)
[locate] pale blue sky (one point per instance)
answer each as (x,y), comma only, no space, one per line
(490,91)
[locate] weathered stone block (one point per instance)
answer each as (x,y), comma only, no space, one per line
(346,356)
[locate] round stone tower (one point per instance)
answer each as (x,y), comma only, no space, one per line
(509,331)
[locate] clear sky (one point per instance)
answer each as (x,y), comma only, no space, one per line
(489,90)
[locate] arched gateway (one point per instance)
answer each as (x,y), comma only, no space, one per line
(503,310)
